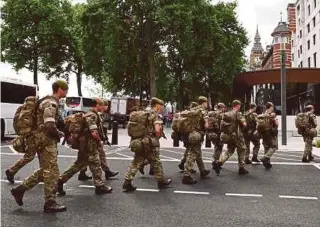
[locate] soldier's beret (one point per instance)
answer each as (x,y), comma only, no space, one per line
(236,102)
(99,101)
(105,102)
(157,101)
(62,84)
(309,107)
(202,99)
(252,105)
(269,104)
(221,105)
(193,104)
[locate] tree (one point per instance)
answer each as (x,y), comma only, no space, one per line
(74,61)
(33,34)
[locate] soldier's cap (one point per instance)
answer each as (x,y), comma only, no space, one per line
(236,102)
(156,100)
(99,101)
(221,105)
(309,107)
(193,104)
(62,84)
(269,104)
(253,105)
(202,99)
(105,102)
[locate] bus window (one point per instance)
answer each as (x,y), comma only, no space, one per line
(73,101)
(15,93)
(87,102)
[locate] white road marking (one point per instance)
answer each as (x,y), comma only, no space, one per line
(123,155)
(298,197)
(174,152)
(243,195)
(17,181)
(147,190)
(289,155)
(4,146)
(317,165)
(192,192)
(87,186)
(11,148)
(173,159)
(288,159)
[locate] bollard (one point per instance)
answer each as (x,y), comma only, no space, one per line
(114,140)
(208,142)
(110,124)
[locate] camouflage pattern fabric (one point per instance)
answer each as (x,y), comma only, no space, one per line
(185,155)
(307,137)
(269,143)
(256,146)
(31,151)
(47,114)
(102,157)
(194,154)
(218,146)
(236,142)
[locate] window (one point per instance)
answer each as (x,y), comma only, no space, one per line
(308,44)
(308,28)
(314,39)
(301,65)
(300,34)
(315,59)
(314,3)
(309,11)
(292,57)
(298,10)
(15,93)
(300,49)
(73,101)
(87,102)
(276,40)
(314,21)
(309,62)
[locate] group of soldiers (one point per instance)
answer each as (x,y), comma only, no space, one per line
(43,142)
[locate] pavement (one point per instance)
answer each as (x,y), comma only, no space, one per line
(286,195)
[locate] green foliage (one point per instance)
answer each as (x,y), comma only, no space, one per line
(33,34)
(317,144)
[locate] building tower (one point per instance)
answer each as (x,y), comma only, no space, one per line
(256,53)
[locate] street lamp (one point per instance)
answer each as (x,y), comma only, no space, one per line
(283,93)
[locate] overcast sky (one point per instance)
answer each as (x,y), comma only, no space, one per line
(265,13)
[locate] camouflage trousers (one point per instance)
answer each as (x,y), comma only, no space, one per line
(308,146)
(49,170)
(218,146)
(88,155)
(269,143)
(185,155)
(102,158)
(31,152)
(153,157)
(236,143)
(194,154)
(256,146)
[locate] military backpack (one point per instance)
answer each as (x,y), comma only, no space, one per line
(214,120)
(188,121)
(228,122)
(138,126)
(302,122)
(264,122)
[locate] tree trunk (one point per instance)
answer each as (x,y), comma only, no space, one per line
(150,49)
(79,82)
(35,70)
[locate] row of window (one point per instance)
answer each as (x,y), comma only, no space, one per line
(309,7)
(309,61)
(314,41)
(309,26)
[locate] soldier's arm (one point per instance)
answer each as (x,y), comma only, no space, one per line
(157,125)
(241,119)
(91,121)
(275,119)
(50,110)
(314,120)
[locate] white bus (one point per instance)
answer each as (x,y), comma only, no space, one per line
(13,94)
(74,104)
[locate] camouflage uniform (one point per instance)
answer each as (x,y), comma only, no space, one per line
(46,143)
(218,145)
(307,155)
(237,141)
(249,137)
(269,137)
(31,151)
(152,155)
(88,154)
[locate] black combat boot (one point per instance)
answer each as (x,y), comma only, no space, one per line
(181,166)
(266,162)
(151,171)
(141,169)
(188,180)
(242,171)
(217,167)
(108,174)
(10,176)
(255,159)
(304,159)
(247,161)
(128,187)
(310,157)
(204,174)
(103,189)
(52,206)
(164,183)
(18,193)
(60,188)
(83,176)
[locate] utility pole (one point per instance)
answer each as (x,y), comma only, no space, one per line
(283,96)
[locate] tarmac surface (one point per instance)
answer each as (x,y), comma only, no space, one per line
(286,195)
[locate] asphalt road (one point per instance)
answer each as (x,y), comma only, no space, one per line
(286,195)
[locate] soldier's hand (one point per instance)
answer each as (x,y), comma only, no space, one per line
(95,135)
(108,143)
(61,134)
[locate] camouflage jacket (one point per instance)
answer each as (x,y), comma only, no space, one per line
(312,119)
(273,118)
(239,121)
(203,117)
(47,115)
(251,119)
(153,119)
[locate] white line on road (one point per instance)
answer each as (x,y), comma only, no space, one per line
(13,150)
(4,146)
(17,181)
(288,159)
(289,155)
(192,192)
(317,165)
(173,159)
(243,195)
(87,186)
(298,197)
(147,190)
(123,155)
(174,152)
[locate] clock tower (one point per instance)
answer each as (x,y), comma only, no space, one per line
(257,53)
